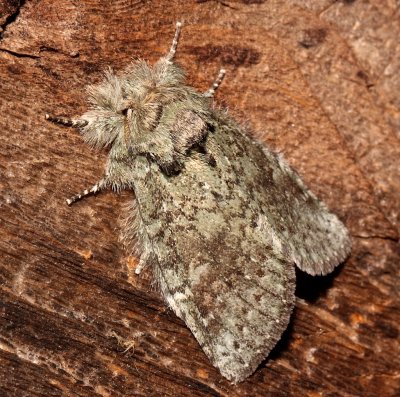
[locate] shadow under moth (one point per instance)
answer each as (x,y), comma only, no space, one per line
(221,218)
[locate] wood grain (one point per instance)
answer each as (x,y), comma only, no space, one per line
(319,80)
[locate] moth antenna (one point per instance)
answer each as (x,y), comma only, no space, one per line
(217,82)
(172,51)
(66,122)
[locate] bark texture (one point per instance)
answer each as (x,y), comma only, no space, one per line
(319,79)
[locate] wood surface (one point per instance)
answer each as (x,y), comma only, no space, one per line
(319,79)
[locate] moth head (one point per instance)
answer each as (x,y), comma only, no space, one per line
(126,105)
(133,99)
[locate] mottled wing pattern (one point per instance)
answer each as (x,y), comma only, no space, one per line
(309,235)
(217,268)
(225,238)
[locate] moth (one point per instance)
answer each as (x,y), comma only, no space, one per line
(221,219)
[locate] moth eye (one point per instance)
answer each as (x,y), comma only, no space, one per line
(125,105)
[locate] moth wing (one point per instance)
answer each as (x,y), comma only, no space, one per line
(216,267)
(224,240)
(309,235)
(236,307)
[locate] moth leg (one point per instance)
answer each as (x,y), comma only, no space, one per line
(217,82)
(100,185)
(79,123)
(141,265)
(175,41)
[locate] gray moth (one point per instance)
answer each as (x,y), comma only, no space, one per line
(221,219)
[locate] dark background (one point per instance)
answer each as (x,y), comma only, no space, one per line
(319,79)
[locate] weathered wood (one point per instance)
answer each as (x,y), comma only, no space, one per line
(319,79)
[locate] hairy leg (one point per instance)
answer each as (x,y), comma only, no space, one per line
(217,82)
(66,122)
(100,185)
